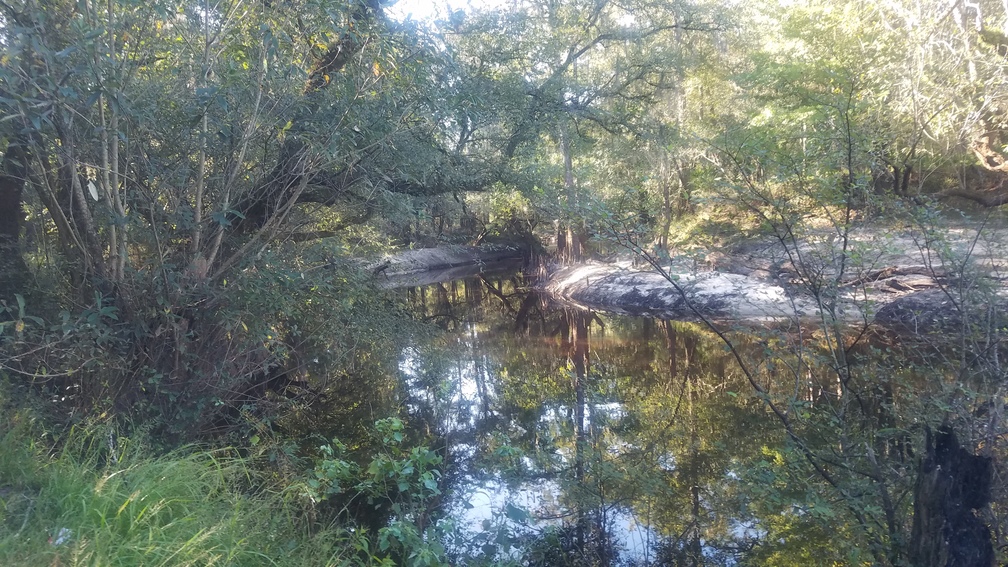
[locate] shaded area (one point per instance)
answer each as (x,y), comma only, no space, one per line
(953,487)
(445,258)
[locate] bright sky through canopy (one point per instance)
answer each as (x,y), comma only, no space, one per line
(431,9)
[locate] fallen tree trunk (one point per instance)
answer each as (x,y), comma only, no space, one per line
(427,266)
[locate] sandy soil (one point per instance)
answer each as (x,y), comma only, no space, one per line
(712,293)
(759,281)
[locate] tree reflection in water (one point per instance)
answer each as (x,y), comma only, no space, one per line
(582,438)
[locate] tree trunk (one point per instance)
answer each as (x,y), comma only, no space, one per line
(953,485)
(667,206)
(13,270)
(569,244)
(684,201)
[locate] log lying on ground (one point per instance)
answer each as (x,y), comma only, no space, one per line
(898,279)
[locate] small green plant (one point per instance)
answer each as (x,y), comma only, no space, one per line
(405,480)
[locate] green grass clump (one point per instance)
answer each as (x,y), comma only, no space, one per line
(129,507)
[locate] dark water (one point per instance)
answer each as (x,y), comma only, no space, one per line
(584,438)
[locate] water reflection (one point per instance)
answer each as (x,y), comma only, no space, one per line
(581,438)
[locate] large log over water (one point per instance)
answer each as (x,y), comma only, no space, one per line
(953,486)
(425,266)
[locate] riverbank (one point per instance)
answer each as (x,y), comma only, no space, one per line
(896,278)
(711,294)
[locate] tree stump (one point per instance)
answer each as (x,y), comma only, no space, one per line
(953,485)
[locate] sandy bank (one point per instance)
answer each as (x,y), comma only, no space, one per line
(715,295)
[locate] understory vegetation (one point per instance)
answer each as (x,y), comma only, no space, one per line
(201,362)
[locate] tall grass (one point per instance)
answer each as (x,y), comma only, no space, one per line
(85,504)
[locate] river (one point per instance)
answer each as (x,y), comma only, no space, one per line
(587,438)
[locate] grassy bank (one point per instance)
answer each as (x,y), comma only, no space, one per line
(78,502)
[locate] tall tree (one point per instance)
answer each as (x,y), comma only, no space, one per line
(175,147)
(569,77)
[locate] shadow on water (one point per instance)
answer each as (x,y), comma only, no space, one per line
(583,438)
